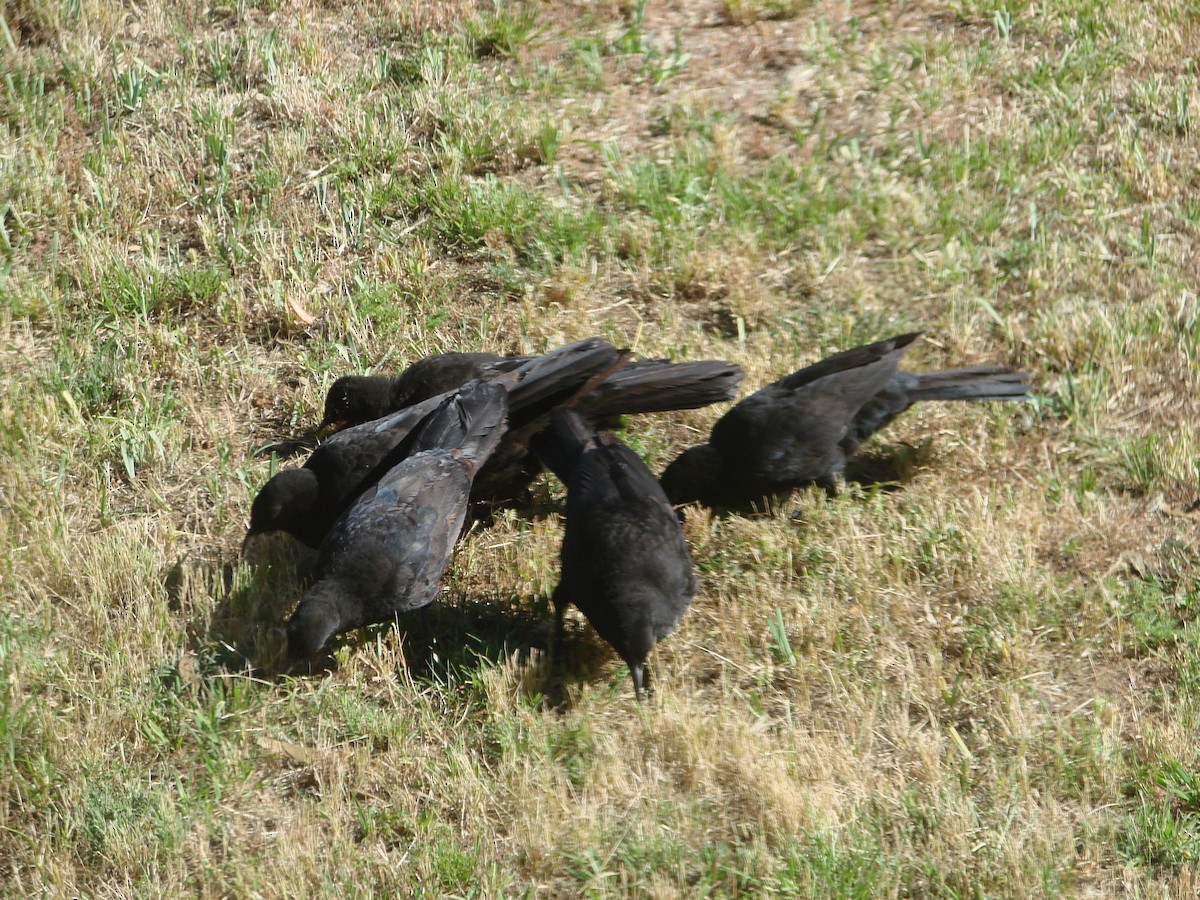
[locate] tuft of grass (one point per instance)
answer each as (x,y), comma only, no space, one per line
(502,31)
(746,12)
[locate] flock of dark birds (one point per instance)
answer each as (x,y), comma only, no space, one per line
(385,498)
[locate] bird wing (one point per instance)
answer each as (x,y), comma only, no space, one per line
(623,524)
(854,358)
(789,431)
(392,546)
(656,385)
(359,449)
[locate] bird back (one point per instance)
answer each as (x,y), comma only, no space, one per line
(471,421)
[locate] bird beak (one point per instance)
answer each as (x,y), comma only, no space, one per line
(328,427)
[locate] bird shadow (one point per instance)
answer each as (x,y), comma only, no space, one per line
(443,644)
(537,500)
(242,632)
(575,663)
(288,447)
(889,468)
(450,643)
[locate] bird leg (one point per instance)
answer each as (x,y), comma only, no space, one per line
(638,673)
(829,484)
(556,641)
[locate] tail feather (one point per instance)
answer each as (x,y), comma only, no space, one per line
(973,383)
(560,445)
(548,380)
(472,421)
(657,385)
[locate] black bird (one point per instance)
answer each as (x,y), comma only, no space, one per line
(625,562)
(651,385)
(354,399)
(306,501)
(386,553)
(645,386)
(802,429)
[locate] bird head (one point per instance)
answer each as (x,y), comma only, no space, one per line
(311,626)
(693,475)
(354,399)
(288,495)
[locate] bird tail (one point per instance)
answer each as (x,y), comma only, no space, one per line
(471,421)
(560,445)
(973,383)
(549,380)
(890,349)
(657,385)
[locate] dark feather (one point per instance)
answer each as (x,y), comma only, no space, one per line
(387,552)
(802,428)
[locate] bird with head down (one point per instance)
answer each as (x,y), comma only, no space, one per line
(306,501)
(387,552)
(625,562)
(804,427)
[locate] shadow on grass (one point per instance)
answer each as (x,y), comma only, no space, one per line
(288,447)
(578,662)
(880,470)
(242,604)
(445,643)
(889,468)
(449,643)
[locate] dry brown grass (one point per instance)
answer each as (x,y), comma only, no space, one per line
(982,681)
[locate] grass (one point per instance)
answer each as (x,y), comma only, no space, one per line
(982,681)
